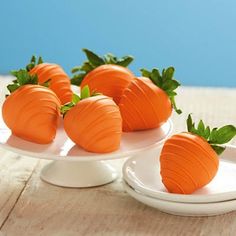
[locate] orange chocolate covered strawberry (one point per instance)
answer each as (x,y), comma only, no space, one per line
(59,81)
(107,75)
(31,111)
(93,122)
(189,160)
(148,101)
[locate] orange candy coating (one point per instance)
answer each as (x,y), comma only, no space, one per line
(188,163)
(95,124)
(144,106)
(59,80)
(110,80)
(32,113)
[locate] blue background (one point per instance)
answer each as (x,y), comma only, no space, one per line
(197,37)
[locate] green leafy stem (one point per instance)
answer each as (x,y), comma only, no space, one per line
(85,93)
(22,78)
(33,62)
(165,81)
(93,61)
(215,137)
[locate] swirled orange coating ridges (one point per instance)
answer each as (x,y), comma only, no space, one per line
(95,124)
(188,163)
(144,106)
(110,80)
(59,80)
(32,113)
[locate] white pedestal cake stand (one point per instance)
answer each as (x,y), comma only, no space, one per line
(71,166)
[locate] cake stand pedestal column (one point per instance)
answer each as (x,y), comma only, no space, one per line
(78,174)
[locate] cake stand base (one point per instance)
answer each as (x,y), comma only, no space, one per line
(78,174)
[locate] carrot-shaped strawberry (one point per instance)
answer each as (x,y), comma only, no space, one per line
(148,101)
(189,160)
(31,111)
(93,122)
(107,75)
(59,81)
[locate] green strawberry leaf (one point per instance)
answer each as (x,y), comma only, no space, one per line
(87,67)
(93,61)
(75,69)
(218,149)
(85,92)
(214,137)
(34,62)
(222,135)
(170,85)
(156,78)
(93,58)
(190,123)
(165,81)
(65,108)
(207,133)
(22,78)
(145,73)
(201,127)
(40,60)
(168,73)
(12,87)
(75,98)
(124,61)
(110,58)
(77,79)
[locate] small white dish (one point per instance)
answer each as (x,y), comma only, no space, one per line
(142,172)
(183,209)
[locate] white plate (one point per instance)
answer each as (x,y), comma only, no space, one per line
(62,148)
(142,172)
(183,209)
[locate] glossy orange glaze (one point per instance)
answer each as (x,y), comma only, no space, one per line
(188,163)
(95,124)
(60,81)
(110,80)
(32,113)
(144,106)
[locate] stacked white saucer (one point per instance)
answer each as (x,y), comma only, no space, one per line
(142,181)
